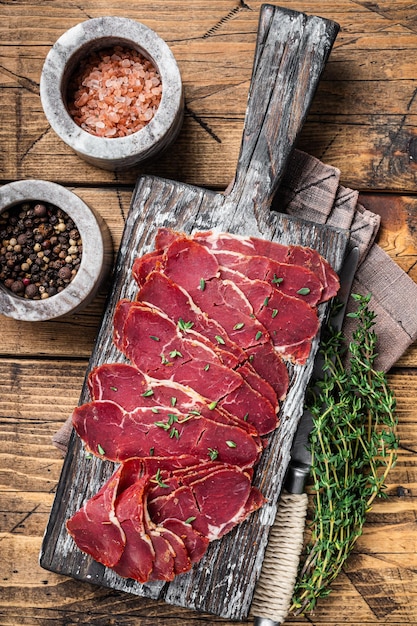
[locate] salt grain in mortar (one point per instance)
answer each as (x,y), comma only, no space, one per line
(115,92)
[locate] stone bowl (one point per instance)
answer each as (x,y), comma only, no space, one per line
(63,59)
(96,259)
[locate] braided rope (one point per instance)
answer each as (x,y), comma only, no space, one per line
(273,592)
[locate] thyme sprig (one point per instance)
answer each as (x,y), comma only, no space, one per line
(353,446)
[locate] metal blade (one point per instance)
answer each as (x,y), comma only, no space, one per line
(300,463)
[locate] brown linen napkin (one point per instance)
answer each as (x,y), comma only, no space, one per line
(311,190)
(306,192)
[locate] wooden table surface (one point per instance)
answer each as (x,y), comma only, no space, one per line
(363,121)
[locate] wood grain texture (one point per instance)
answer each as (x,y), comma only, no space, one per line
(362,119)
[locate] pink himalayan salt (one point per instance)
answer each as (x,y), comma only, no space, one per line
(115,93)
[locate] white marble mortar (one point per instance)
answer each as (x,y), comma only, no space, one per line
(96,257)
(61,61)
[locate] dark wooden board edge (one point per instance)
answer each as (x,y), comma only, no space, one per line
(232,565)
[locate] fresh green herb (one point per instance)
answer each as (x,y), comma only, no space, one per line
(184,325)
(274,312)
(88,455)
(231,444)
(220,339)
(154,338)
(207,367)
(173,401)
(158,479)
(213,453)
(212,405)
(174,353)
(151,451)
(251,357)
(190,519)
(276,280)
(164,360)
(353,445)
(266,301)
(113,388)
(174,433)
(148,393)
(245,417)
(202,284)
(238,326)
(100,449)
(163,425)
(172,417)
(154,409)
(194,412)
(258,335)
(304,291)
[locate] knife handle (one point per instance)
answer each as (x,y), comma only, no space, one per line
(273,592)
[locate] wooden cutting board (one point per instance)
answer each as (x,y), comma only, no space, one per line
(291,52)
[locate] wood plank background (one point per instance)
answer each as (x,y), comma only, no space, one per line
(363,121)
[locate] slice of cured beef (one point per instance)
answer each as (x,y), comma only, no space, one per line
(155,345)
(253,246)
(152,545)
(139,556)
(128,387)
(238,326)
(158,290)
(203,502)
(251,311)
(115,434)
(95,527)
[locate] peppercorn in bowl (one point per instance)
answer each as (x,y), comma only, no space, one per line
(55,252)
(111,90)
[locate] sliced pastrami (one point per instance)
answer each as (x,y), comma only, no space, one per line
(297,255)
(268,363)
(194,541)
(196,270)
(294,280)
(158,290)
(95,527)
(138,558)
(155,346)
(203,504)
(129,388)
(114,434)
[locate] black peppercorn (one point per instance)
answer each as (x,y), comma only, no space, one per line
(37,242)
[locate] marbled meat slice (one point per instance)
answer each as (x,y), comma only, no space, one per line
(256,316)
(291,322)
(138,558)
(294,280)
(130,388)
(204,503)
(194,541)
(158,290)
(196,270)
(95,527)
(291,254)
(114,434)
(155,345)
(171,555)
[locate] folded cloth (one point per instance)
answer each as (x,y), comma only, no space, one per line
(312,191)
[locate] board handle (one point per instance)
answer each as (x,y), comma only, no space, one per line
(291,52)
